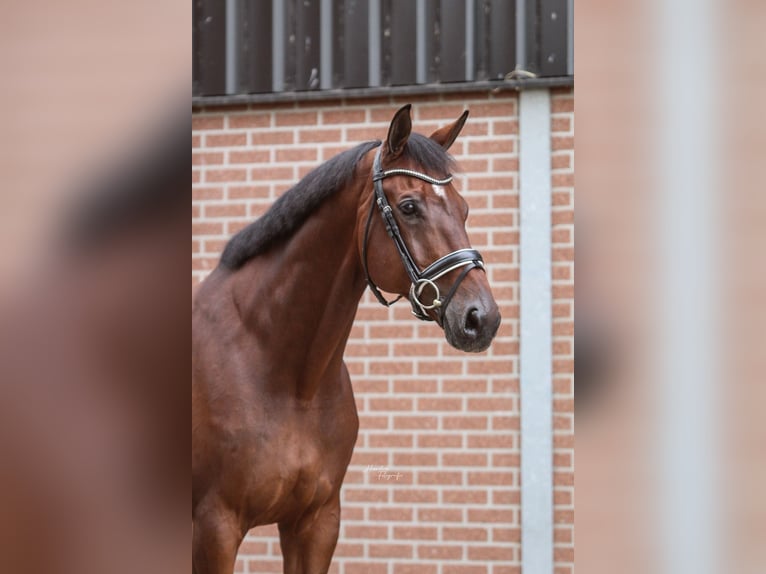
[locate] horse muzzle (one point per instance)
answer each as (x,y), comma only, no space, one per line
(471,326)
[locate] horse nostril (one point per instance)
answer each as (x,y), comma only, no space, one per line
(472,321)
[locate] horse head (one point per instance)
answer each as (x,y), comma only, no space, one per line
(412,235)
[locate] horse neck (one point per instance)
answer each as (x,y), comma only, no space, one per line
(299,299)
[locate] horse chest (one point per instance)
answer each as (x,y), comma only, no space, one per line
(311,478)
(304,472)
(301,455)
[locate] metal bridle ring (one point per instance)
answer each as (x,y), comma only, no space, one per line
(417,290)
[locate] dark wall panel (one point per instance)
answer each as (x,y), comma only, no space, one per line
(209,45)
(553,37)
(481,39)
(351,47)
(494,38)
(302,44)
(290,44)
(532,35)
(399,42)
(452,41)
(502,32)
(338,43)
(255,62)
(433,40)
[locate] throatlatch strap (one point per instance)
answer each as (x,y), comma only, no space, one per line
(370,283)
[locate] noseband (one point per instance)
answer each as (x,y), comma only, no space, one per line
(466,258)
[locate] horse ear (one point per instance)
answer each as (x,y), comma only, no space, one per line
(447,135)
(399,131)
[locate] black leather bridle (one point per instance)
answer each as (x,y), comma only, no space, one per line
(468,259)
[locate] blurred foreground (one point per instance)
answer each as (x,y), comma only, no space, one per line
(94,327)
(671,438)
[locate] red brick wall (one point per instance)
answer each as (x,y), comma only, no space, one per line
(562,182)
(445,423)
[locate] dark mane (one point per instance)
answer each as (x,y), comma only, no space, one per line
(289,212)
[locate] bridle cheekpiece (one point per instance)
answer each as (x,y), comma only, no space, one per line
(468,259)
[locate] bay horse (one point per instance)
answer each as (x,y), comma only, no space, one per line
(274,420)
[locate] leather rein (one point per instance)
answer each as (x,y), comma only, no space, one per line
(468,259)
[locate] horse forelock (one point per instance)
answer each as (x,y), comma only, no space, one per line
(431,158)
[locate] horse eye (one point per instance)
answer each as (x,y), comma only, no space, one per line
(408,207)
